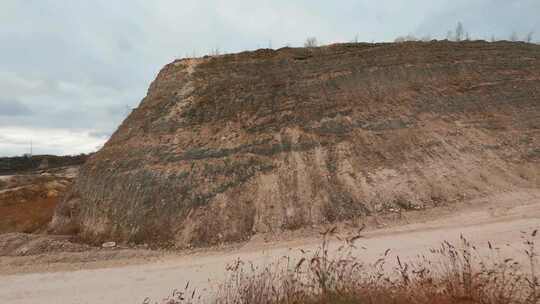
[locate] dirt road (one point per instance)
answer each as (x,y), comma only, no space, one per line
(499,221)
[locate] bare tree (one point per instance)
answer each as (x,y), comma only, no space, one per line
(529,37)
(450,35)
(493,39)
(467,36)
(426,38)
(406,38)
(215,51)
(311,42)
(514,37)
(459,31)
(193,54)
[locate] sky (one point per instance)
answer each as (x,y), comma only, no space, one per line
(71,70)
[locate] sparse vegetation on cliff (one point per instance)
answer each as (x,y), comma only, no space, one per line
(223,148)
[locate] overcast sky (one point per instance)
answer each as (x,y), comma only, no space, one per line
(71,69)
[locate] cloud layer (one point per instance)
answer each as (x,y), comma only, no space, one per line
(72,69)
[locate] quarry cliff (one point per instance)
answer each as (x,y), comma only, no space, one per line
(225,147)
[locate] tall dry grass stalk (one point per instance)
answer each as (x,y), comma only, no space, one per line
(451,274)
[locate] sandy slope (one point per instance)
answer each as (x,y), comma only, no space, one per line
(226,147)
(499,221)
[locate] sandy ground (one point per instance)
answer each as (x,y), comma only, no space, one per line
(131,276)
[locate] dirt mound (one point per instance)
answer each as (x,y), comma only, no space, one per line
(225,147)
(22,244)
(27,202)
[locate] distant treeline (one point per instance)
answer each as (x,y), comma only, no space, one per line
(21,164)
(462,34)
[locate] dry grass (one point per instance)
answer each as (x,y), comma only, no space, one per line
(451,274)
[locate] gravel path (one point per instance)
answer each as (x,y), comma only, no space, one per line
(501,222)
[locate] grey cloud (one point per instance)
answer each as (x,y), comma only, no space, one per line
(14,141)
(13,108)
(77,65)
(100,134)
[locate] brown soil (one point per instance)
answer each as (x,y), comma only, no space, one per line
(27,202)
(23,244)
(28,217)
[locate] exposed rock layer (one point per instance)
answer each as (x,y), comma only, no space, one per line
(225,147)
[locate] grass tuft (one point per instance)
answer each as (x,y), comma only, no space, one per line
(451,274)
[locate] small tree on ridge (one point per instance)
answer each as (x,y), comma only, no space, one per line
(311,42)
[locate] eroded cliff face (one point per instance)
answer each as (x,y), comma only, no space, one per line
(225,147)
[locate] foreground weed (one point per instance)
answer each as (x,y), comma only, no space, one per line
(451,274)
